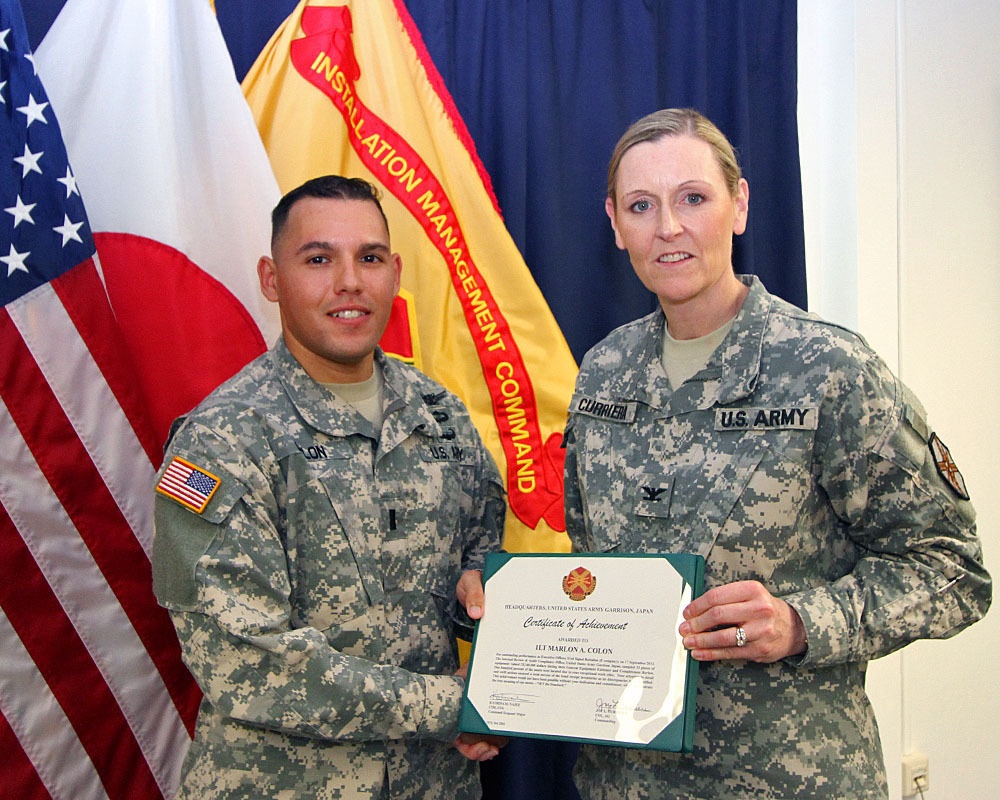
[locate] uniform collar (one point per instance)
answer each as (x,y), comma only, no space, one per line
(403,407)
(732,370)
(739,354)
(409,404)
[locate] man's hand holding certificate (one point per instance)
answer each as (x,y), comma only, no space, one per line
(585,647)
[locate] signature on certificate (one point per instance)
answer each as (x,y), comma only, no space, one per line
(512,698)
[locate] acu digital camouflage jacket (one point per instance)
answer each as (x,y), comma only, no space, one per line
(794,458)
(314,591)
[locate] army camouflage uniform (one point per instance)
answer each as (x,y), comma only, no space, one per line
(794,458)
(314,595)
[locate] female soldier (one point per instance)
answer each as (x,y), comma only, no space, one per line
(835,525)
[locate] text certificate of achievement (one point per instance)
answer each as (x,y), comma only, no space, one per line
(585,647)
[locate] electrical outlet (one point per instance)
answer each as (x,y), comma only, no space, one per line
(916,774)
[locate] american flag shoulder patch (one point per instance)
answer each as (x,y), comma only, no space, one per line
(189,485)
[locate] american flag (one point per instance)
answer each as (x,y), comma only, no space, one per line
(188,484)
(94,701)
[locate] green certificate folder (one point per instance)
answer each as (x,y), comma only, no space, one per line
(584,647)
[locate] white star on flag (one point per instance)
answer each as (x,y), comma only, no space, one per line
(69,182)
(14,261)
(21,211)
(29,161)
(33,111)
(68,230)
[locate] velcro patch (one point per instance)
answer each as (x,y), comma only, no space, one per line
(796,418)
(452,453)
(604,409)
(321,452)
(189,485)
(946,467)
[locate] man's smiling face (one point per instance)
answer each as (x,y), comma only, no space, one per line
(334,277)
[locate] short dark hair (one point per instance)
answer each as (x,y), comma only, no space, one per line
(336,187)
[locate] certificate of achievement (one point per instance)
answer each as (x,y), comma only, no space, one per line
(585,647)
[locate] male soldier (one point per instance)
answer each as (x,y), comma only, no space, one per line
(314,516)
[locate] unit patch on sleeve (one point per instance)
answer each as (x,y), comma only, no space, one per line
(946,467)
(189,485)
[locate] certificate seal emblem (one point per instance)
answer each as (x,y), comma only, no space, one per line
(579,584)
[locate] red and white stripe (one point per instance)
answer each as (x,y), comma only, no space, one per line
(92,685)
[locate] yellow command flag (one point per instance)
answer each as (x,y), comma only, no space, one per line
(348,88)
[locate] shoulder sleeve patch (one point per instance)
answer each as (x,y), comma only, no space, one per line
(946,467)
(189,485)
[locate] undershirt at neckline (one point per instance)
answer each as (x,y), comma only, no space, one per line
(683,358)
(365,396)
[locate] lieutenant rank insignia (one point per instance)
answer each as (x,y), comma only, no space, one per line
(946,467)
(579,584)
(189,485)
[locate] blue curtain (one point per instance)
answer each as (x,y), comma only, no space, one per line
(546,87)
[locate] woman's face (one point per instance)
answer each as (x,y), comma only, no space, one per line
(676,218)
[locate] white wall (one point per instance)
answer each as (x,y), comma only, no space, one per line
(899,107)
